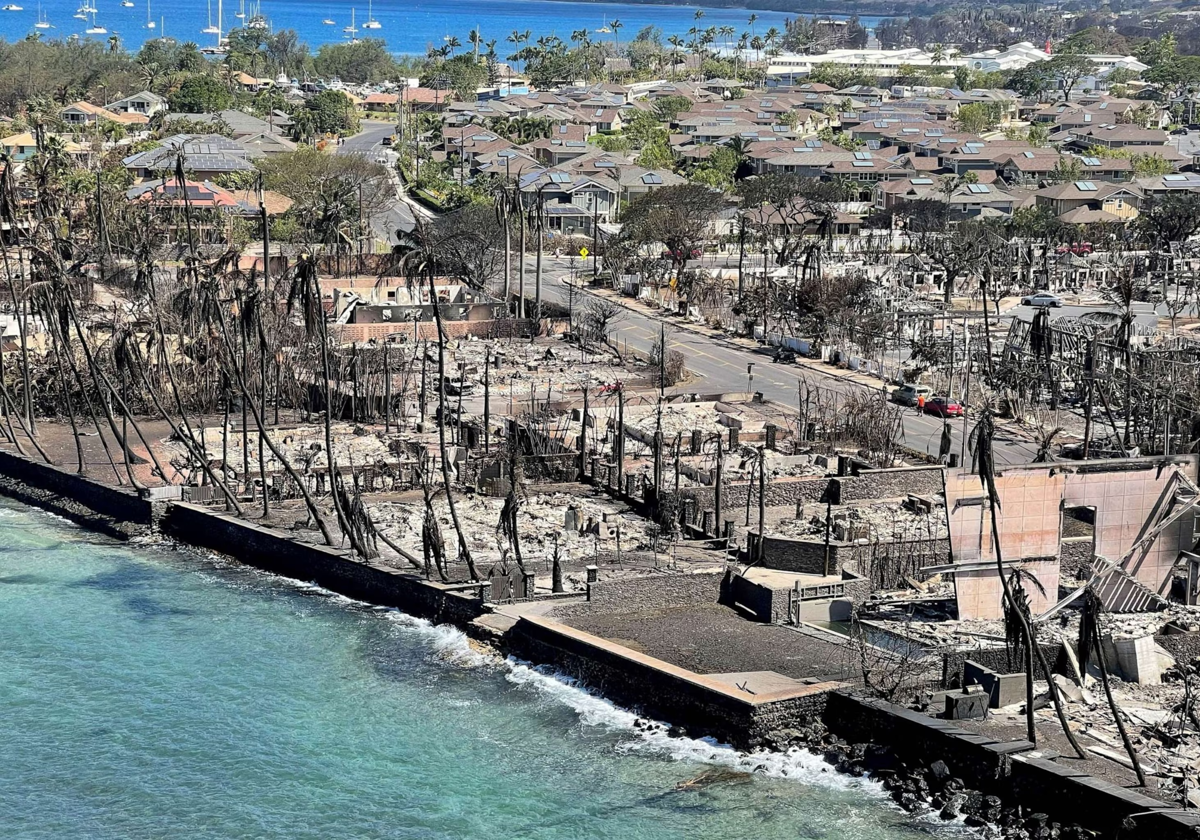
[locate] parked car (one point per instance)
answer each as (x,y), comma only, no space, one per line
(389,140)
(944,407)
(908,394)
(785,357)
(1041,299)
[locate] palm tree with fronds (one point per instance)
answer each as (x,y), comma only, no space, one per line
(753,19)
(475,39)
(452,43)
(676,42)
(771,37)
(114,43)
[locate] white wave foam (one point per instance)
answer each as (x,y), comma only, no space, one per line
(652,739)
(449,643)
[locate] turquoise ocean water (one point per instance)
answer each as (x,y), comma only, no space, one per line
(407,27)
(147,692)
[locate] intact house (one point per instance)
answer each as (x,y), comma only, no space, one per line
(85,113)
(147,103)
(205,156)
(572,201)
(1119,202)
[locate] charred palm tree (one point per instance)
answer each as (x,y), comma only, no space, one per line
(1091,642)
(305,292)
(423,263)
(984,465)
(210,293)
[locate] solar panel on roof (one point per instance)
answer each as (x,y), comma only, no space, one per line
(864,163)
(560,178)
(979,189)
(920,182)
(813,144)
(1091,161)
(862,155)
(1028,154)
(1085,186)
(651,178)
(1175,178)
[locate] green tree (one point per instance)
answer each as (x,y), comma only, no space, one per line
(1069,69)
(1149,165)
(978,117)
(367,60)
(333,113)
(200,95)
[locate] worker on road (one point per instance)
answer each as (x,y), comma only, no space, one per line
(920,403)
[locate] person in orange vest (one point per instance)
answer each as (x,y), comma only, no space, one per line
(920,403)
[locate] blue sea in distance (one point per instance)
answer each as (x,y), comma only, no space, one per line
(149,692)
(407,27)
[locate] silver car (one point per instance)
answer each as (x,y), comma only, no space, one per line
(1042,299)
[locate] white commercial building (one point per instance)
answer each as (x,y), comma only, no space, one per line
(786,67)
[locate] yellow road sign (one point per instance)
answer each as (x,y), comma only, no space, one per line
(583,252)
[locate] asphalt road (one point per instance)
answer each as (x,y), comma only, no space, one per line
(721,366)
(369,143)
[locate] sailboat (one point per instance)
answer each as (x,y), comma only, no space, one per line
(329,22)
(128,4)
(79,13)
(95,28)
(241,12)
(210,29)
(604,30)
(257,19)
(42,23)
(351,30)
(149,20)
(370,22)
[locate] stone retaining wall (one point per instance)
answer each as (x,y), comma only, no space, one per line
(274,551)
(110,510)
(1006,769)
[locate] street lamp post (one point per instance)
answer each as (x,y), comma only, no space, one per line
(750,378)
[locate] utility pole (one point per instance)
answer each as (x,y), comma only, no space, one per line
(662,359)
(717,491)
(424,365)
(962,450)
(521,275)
(583,437)
(762,506)
(750,378)
(387,389)
(619,443)
(487,399)
(596,242)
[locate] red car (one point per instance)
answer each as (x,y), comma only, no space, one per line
(943,407)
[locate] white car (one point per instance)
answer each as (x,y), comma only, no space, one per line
(1042,299)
